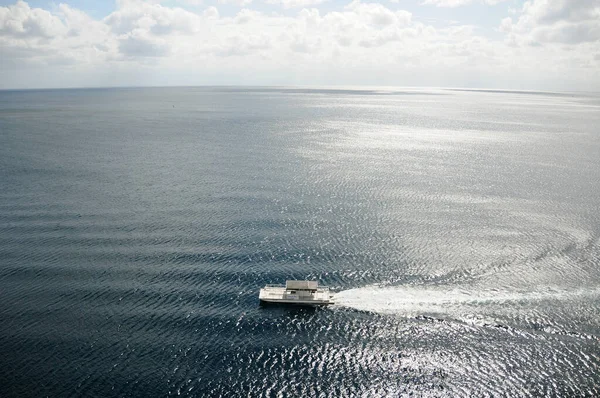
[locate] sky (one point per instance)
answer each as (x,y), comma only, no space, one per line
(549,45)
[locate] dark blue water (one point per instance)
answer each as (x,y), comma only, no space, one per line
(462,230)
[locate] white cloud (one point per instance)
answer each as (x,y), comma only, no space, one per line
(137,14)
(360,43)
(239,3)
(245,15)
(211,13)
(382,37)
(556,21)
(20,20)
(506,25)
(242,45)
(304,44)
(459,3)
(377,14)
(139,44)
(35,37)
(145,29)
(295,3)
(551,11)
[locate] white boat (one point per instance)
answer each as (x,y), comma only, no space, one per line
(297,292)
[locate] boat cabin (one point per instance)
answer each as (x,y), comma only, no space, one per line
(297,292)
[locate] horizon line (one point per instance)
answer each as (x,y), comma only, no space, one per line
(335,87)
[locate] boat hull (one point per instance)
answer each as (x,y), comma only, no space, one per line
(296,302)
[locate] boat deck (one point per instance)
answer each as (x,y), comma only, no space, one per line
(280,294)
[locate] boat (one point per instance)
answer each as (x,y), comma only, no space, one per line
(297,292)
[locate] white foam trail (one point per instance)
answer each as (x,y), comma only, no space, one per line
(415,300)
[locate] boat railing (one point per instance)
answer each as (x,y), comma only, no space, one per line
(283,286)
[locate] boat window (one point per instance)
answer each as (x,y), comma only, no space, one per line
(292,292)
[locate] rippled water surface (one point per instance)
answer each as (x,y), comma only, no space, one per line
(461,230)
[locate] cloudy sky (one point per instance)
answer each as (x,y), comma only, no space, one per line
(516,44)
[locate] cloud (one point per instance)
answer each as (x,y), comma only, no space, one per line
(239,3)
(211,13)
(355,43)
(459,3)
(20,20)
(303,44)
(557,21)
(506,25)
(295,3)
(381,38)
(139,44)
(159,20)
(245,15)
(551,11)
(242,45)
(33,36)
(150,30)
(377,14)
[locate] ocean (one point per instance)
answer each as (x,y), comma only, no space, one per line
(459,228)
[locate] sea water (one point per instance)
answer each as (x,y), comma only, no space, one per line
(461,230)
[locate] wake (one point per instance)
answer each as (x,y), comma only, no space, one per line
(419,300)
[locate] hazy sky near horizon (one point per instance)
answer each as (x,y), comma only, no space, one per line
(513,44)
